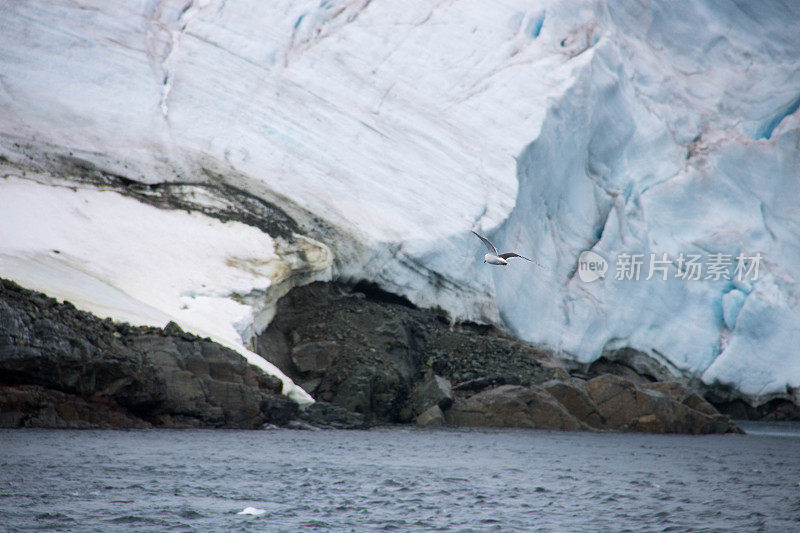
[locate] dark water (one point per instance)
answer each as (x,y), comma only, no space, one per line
(398,479)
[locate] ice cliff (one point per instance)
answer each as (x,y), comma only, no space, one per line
(380,133)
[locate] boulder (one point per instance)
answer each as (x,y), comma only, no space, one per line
(486,382)
(681,393)
(431,417)
(513,406)
(628,407)
(434,391)
(631,364)
(328,416)
(314,358)
(698,403)
(573,395)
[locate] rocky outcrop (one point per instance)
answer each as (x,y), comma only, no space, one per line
(513,406)
(654,407)
(367,358)
(61,367)
(777,409)
(324,415)
(435,391)
(607,402)
(375,354)
(572,394)
(36,406)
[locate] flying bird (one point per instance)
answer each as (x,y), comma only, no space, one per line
(493,258)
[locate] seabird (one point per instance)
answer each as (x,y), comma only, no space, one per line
(493,258)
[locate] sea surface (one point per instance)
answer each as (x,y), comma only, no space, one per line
(399,479)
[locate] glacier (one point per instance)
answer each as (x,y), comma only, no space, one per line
(386,132)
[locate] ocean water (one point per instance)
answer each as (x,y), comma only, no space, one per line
(398,479)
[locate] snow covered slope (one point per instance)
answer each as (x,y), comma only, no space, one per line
(125,259)
(388,130)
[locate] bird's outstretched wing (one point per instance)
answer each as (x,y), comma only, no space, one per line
(534,261)
(489,245)
(512,254)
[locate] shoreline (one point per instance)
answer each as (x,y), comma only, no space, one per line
(409,367)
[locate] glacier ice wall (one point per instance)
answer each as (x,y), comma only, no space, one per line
(681,137)
(389,130)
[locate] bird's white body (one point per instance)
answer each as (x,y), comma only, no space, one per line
(494,260)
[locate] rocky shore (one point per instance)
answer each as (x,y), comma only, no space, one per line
(367,356)
(373,353)
(64,368)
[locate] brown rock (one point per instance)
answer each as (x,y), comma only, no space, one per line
(622,404)
(513,406)
(626,406)
(675,390)
(696,402)
(572,394)
(680,393)
(649,424)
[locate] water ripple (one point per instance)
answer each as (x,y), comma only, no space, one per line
(397,480)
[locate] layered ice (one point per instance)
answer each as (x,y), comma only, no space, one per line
(390,130)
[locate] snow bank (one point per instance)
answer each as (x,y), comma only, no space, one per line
(124,259)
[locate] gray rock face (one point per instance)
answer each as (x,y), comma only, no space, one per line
(314,358)
(369,361)
(431,417)
(649,373)
(328,416)
(435,391)
(60,367)
(607,402)
(778,409)
(371,355)
(36,406)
